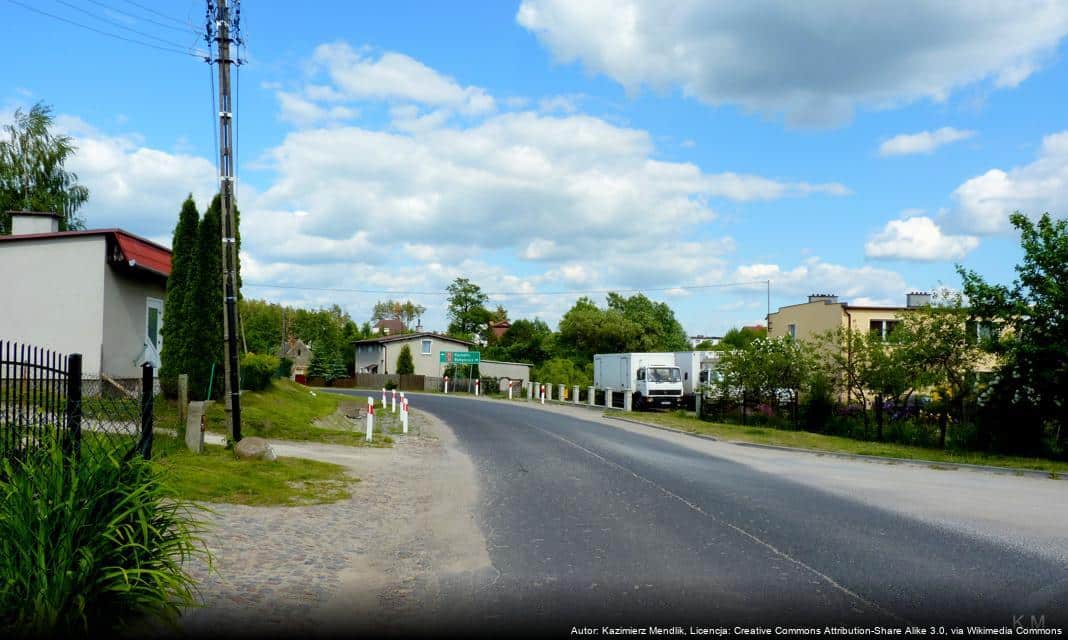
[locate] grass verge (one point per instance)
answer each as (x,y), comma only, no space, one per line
(837,444)
(289,411)
(217,476)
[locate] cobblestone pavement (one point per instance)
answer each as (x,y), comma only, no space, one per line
(290,570)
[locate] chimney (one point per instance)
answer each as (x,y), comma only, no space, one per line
(29,222)
(827,298)
(916,299)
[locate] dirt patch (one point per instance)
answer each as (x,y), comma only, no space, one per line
(362,562)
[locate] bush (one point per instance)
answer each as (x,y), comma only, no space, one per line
(257,371)
(819,405)
(87,546)
(405,366)
(285,368)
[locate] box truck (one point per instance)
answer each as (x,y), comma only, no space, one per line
(652,379)
(697,368)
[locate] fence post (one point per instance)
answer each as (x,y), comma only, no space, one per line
(183,396)
(560,392)
(575,394)
(592,398)
(627,400)
(608,398)
(74,403)
(147,380)
(697,402)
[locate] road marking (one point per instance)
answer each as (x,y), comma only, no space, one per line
(731,526)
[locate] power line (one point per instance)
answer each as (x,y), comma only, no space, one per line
(262,285)
(100,31)
(153,11)
(185,28)
(117,25)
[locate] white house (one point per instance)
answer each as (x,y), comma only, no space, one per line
(379,355)
(99,293)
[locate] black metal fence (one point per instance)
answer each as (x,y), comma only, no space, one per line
(43,401)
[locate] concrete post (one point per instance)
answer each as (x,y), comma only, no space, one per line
(608,398)
(560,393)
(593,395)
(530,390)
(548,391)
(697,403)
(194,429)
(575,394)
(183,396)
(627,400)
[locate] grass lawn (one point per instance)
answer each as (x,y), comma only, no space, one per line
(289,411)
(836,444)
(217,476)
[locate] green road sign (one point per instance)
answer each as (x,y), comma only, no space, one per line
(460,357)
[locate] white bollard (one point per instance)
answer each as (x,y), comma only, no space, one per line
(478,385)
(370,418)
(404,414)
(530,390)
(543,394)
(383,397)
(593,395)
(608,398)
(549,391)
(509,389)
(446,384)
(575,394)
(394,409)
(627,400)
(560,393)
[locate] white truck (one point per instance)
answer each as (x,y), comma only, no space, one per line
(697,367)
(652,379)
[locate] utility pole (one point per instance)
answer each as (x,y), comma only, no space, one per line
(224,37)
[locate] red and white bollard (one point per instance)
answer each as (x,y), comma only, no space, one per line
(404,414)
(446,384)
(394,409)
(509,389)
(477,386)
(383,397)
(541,394)
(370,418)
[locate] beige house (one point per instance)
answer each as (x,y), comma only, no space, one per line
(300,354)
(98,293)
(823,313)
(379,355)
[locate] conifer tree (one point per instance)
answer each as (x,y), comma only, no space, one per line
(175,355)
(205,307)
(404,361)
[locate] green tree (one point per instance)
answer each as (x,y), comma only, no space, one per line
(627,324)
(32,173)
(467,313)
(765,367)
(405,365)
(206,310)
(261,322)
(738,338)
(177,353)
(563,371)
(657,328)
(529,341)
(1030,334)
(704,345)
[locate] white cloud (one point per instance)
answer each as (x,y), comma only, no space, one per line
(814,63)
(134,186)
(918,238)
(850,284)
(922,142)
(395,77)
(303,113)
(985,202)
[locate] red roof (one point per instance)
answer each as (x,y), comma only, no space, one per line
(137,252)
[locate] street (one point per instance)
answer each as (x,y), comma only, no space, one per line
(590,524)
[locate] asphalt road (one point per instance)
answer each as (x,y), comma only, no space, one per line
(588,524)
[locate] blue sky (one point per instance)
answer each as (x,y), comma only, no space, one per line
(548,146)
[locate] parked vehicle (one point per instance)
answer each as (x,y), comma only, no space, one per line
(652,379)
(697,367)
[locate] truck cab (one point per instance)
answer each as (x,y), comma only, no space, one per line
(658,386)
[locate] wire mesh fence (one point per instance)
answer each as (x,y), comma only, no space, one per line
(43,401)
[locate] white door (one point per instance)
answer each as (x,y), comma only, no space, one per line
(153,330)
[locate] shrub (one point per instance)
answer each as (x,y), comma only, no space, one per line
(89,545)
(285,368)
(257,370)
(404,361)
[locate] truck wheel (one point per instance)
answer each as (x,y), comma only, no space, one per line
(638,402)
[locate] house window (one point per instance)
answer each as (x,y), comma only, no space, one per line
(153,325)
(979,331)
(426,347)
(882,328)
(792,330)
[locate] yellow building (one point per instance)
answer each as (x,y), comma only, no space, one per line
(823,313)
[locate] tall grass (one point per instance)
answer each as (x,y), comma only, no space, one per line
(87,546)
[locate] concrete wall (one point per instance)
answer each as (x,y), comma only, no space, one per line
(125,306)
(52,295)
(510,370)
(810,319)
